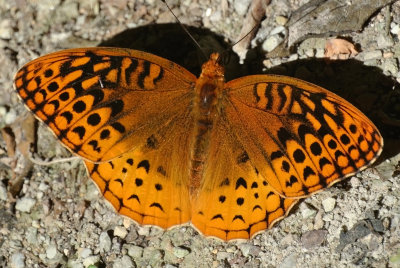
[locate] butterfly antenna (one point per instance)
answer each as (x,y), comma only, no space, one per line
(186,30)
(225,53)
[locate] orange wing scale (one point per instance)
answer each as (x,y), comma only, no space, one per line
(165,148)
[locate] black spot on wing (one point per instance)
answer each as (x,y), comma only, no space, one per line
(241,182)
(144,164)
(157,205)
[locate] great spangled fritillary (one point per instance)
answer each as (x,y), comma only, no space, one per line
(166,148)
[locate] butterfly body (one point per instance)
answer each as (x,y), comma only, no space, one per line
(207,107)
(166,148)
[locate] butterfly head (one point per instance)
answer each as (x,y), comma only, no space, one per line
(213,69)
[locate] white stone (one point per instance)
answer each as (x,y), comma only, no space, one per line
(249,250)
(271,43)
(180,252)
(281,20)
(17,260)
(10,117)
(74,264)
(25,204)
(120,231)
(124,262)
(51,252)
(3,193)
(6,31)
(277,30)
(241,6)
(395,29)
(329,204)
(104,242)
(144,230)
(289,262)
(84,252)
(135,251)
(91,260)
(307,212)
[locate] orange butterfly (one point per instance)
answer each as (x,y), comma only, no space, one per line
(166,148)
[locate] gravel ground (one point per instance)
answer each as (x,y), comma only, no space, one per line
(59,219)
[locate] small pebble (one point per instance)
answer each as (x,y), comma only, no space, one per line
(135,251)
(277,30)
(51,252)
(25,204)
(395,29)
(104,242)
(313,238)
(241,6)
(6,31)
(272,42)
(281,20)
(144,230)
(10,117)
(289,262)
(124,262)
(307,212)
(17,260)
(249,250)
(329,204)
(127,222)
(3,192)
(120,231)
(180,252)
(84,252)
(318,222)
(388,54)
(91,260)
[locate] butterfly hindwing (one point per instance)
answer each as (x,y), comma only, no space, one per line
(149,184)
(235,201)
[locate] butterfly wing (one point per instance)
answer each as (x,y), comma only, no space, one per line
(150,183)
(101,102)
(127,113)
(235,201)
(300,137)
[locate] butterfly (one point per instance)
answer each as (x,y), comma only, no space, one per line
(166,148)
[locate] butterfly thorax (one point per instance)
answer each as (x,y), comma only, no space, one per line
(208,94)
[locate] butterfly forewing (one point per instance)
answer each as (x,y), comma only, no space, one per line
(300,137)
(101,101)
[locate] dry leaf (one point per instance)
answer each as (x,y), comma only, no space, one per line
(253,18)
(339,49)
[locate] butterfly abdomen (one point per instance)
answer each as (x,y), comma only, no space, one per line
(208,92)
